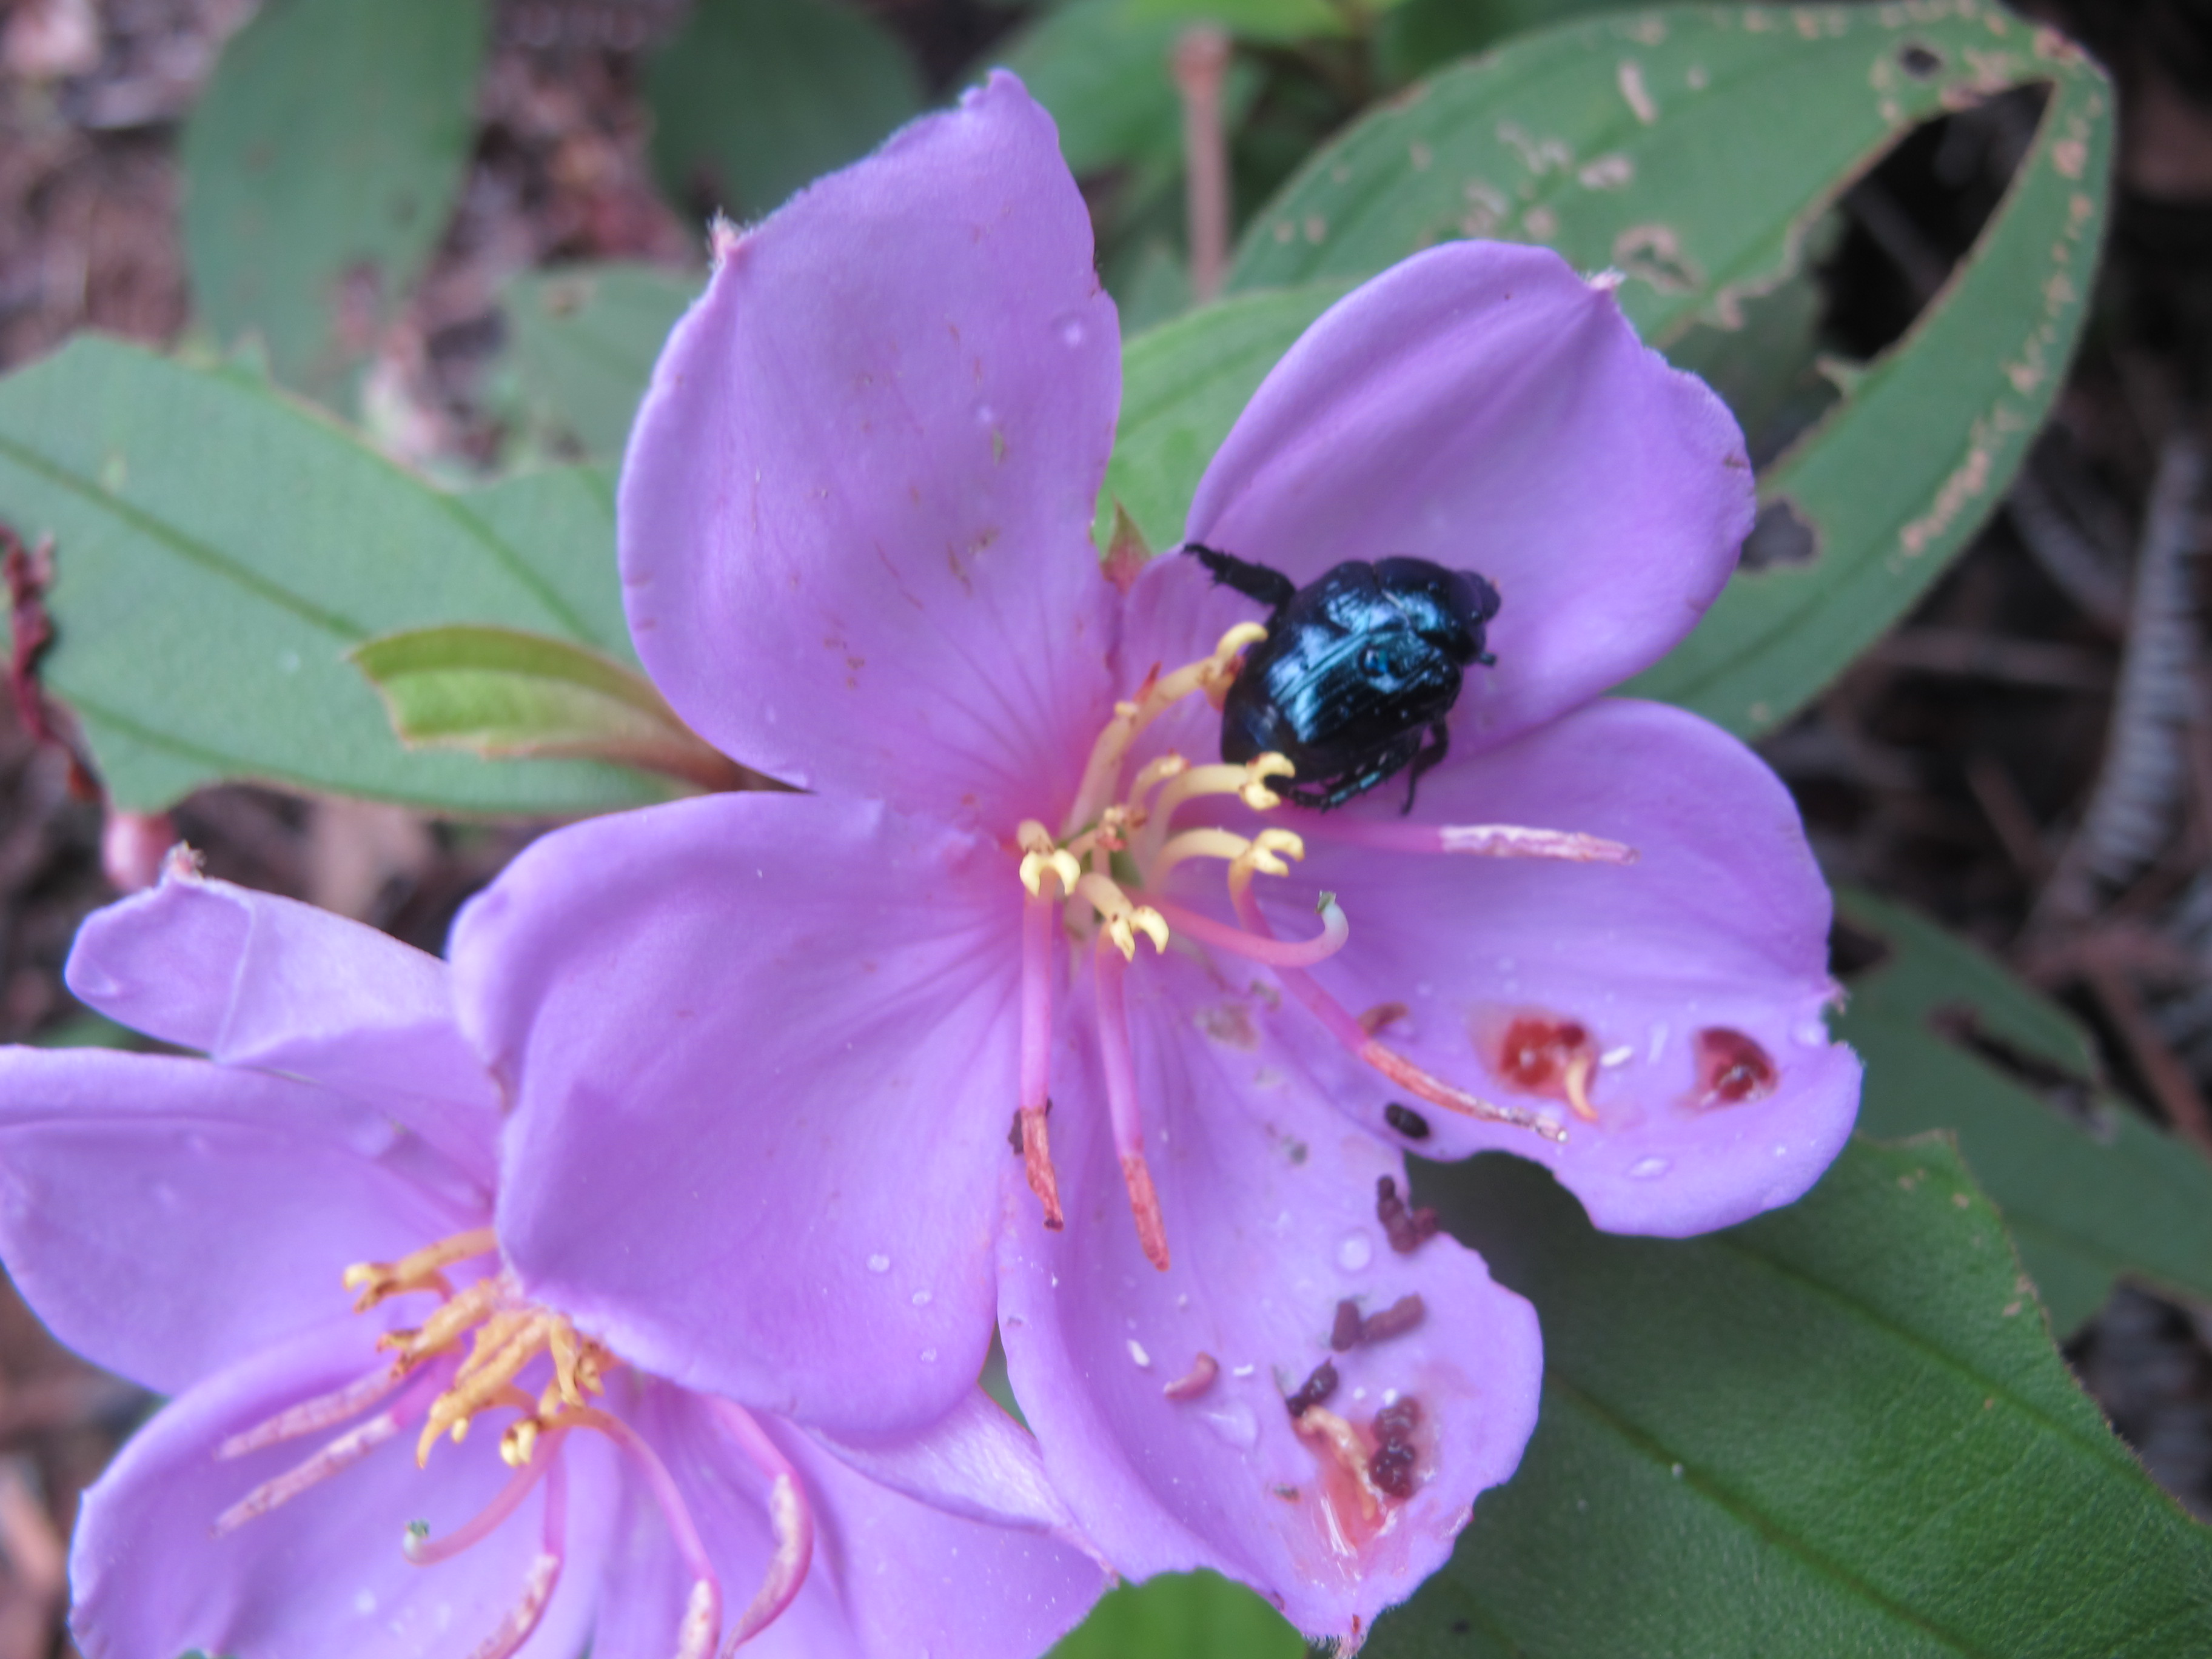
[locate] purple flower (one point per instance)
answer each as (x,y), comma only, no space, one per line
(855,543)
(187,1224)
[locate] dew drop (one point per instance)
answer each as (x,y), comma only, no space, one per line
(986,415)
(879,1264)
(1235,1424)
(1646,1169)
(1812,1033)
(1613,1057)
(929,1356)
(1073,333)
(1658,1045)
(1781,1151)
(1355,1252)
(1137,1353)
(922,1298)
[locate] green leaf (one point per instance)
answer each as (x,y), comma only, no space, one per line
(1694,150)
(320,168)
(2091,1191)
(1183,384)
(753,98)
(88,1029)
(219,548)
(1840,1428)
(582,341)
(1266,20)
(498,691)
(1102,70)
(1181,1615)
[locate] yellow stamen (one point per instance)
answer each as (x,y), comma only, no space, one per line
(444,1327)
(379,1281)
(1212,675)
(1039,853)
(1124,919)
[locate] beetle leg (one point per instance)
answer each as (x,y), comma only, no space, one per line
(1255,581)
(1424,760)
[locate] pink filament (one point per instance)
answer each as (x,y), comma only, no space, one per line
(1495,841)
(427,1553)
(544,1576)
(790,1513)
(1259,947)
(1121,1068)
(665,1494)
(334,1458)
(1038,914)
(1345,1027)
(321,1412)
(339,1455)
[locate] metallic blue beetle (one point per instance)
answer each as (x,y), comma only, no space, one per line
(1356,670)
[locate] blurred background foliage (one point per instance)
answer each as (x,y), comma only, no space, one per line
(330,592)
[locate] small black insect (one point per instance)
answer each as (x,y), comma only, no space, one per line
(1356,670)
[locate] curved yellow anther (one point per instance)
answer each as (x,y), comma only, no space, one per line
(1123,920)
(1254,791)
(1040,852)
(1267,850)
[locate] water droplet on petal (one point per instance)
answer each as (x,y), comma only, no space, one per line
(879,1264)
(1234,1424)
(985,414)
(922,1298)
(1781,1151)
(1813,1033)
(1646,1169)
(1072,333)
(929,1356)
(1356,1251)
(1137,1353)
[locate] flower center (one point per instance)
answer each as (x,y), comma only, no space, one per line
(1119,842)
(430,1377)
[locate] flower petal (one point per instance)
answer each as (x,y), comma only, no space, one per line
(254,980)
(1481,406)
(323,1575)
(855,510)
(762,1054)
(1160,1398)
(1721,926)
(165,1215)
(890,1578)
(976,1462)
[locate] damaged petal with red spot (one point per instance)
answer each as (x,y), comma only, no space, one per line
(1024,897)
(383,1442)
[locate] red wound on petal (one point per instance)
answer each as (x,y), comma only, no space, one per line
(1538,1052)
(1731,1069)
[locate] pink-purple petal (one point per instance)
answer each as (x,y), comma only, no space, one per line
(1482,406)
(254,980)
(855,511)
(890,1578)
(977,1462)
(324,1574)
(164,1215)
(760,1053)
(1720,926)
(1270,1205)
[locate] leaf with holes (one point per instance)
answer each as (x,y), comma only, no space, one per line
(1181,1615)
(753,98)
(1839,1429)
(498,691)
(1694,150)
(320,168)
(582,341)
(218,548)
(1951,1041)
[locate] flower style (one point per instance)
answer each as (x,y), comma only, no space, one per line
(188,1223)
(855,543)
